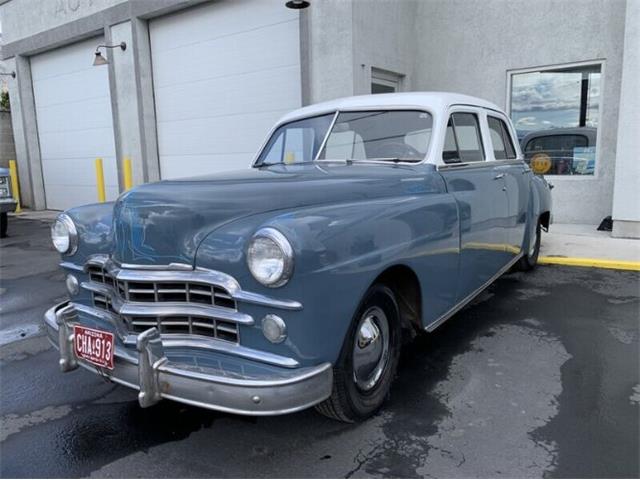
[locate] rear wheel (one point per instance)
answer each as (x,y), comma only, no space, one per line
(530,259)
(368,361)
(4,224)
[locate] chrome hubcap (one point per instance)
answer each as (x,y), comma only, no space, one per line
(371,348)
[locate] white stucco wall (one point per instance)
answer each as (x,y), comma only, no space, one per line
(626,197)
(468,47)
(24,18)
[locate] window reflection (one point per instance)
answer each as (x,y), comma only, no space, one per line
(556,113)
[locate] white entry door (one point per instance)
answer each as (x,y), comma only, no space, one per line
(222,74)
(75,126)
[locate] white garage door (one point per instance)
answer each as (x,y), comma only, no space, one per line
(75,125)
(222,74)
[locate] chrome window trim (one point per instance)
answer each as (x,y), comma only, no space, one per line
(483,164)
(410,107)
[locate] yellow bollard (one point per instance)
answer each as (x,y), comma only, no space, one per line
(128,176)
(15,186)
(100,180)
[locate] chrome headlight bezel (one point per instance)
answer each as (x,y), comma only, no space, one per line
(71,232)
(274,236)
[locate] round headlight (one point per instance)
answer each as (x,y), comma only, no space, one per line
(270,257)
(64,235)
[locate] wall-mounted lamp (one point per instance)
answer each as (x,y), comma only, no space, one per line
(99,59)
(297,4)
(9,74)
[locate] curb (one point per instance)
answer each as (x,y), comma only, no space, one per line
(591,262)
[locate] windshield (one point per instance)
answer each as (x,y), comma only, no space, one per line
(392,135)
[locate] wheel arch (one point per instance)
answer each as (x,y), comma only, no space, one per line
(405,285)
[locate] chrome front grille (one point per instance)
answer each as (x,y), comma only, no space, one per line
(161,291)
(200,300)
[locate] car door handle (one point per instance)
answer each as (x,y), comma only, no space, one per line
(499,176)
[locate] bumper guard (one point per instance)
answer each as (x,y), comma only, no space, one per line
(151,372)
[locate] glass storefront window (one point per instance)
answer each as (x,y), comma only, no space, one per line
(555,112)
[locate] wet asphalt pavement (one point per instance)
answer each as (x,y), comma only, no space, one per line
(539,377)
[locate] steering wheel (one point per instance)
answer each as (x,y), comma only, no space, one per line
(397,150)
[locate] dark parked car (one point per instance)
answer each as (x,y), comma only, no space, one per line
(565,151)
(290,284)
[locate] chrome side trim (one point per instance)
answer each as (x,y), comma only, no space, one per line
(164,309)
(172,340)
(456,308)
(193,275)
(71,266)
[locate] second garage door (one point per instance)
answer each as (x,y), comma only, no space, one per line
(222,74)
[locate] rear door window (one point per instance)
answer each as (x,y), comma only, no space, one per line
(501,139)
(463,142)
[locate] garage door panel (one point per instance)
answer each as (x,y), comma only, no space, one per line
(220,57)
(62,197)
(78,171)
(242,133)
(78,87)
(223,74)
(75,124)
(263,91)
(56,118)
(193,165)
(64,144)
(194,25)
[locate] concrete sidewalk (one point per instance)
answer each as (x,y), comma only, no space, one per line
(574,244)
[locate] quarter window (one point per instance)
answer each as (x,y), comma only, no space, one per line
(500,139)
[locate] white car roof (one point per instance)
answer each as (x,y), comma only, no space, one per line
(439,101)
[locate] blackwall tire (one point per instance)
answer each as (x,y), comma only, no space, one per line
(530,259)
(365,370)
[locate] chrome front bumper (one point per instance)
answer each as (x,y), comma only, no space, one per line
(150,371)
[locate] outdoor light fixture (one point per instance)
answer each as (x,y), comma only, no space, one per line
(99,59)
(9,74)
(297,4)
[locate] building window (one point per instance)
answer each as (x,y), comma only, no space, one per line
(383,81)
(556,112)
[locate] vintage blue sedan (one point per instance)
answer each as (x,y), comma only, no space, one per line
(268,290)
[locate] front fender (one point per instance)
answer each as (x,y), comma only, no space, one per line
(339,252)
(95,234)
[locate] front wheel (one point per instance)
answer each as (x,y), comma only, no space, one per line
(530,259)
(368,361)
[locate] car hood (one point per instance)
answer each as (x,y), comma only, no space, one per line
(162,223)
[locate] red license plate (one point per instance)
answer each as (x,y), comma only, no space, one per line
(94,346)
